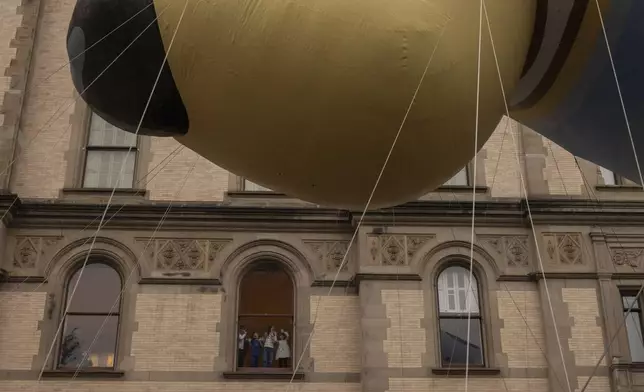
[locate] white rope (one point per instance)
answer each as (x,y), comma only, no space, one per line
(364,212)
(116,183)
(525,192)
(476,150)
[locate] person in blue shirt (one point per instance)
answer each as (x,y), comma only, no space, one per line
(255,350)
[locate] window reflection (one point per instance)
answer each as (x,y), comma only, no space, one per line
(634,327)
(456,298)
(91,324)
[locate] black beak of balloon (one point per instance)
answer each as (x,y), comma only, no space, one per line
(116,53)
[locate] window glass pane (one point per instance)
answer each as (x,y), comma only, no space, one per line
(453,286)
(629,300)
(459,178)
(79,333)
(97,290)
(102,133)
(454,341)
(103,168)
(608,176)
(250,186)
(634,331)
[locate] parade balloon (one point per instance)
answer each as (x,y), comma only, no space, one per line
(306,97)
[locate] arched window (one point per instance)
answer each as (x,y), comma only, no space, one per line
(95,306)
(266,299)
(454,304)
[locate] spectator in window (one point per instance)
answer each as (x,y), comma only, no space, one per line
(283,352)
(270,338)
(241,346)
(255,350)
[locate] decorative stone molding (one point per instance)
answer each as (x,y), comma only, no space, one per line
(29,251)
(629,257)
(167,254)
(513,249)
(331,253)
(564,248)
(395,249)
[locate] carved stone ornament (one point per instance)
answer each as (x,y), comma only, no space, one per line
(29,251)
(628,257)
(182,254)
(514,249)
(395,249)
(331,253)
(564,248)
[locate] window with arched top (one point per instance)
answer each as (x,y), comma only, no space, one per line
(90,326)
(456,299)
(265,317)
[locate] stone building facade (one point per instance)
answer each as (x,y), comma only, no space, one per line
(552,266)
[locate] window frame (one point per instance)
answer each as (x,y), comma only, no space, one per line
(618,180)
(63,316)
(639,310)
(468,179)
(244,189)
(294,317)
(86,149)
(481,316)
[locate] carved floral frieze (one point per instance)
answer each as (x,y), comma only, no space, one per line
(182,254)
(331,253)
(29,251)
(631,257)
(396,249)
(514,249)
(564,248)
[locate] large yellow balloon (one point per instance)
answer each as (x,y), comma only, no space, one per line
(306,96)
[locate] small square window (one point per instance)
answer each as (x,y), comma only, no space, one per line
(111,156)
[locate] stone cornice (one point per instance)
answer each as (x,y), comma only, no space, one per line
(219,216)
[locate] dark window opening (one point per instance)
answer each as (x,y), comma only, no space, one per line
(266,299)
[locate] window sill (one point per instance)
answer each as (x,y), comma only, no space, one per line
(61,373)
(256,194)
(460,371)
(635,367)
(618,188)
(105,191)
(263,375)
(461,189)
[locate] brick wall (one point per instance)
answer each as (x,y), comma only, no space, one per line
(517,341)
(11,21)
(561,171)
(176,332)
(597,384)
(40,169)
(501,169)
(336,344)
(147,386)
(405,309)
(587,340)
(445,384)
(207,182)
(19,334)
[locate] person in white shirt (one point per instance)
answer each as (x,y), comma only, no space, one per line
(283,352)
(241,346)
(270,338)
